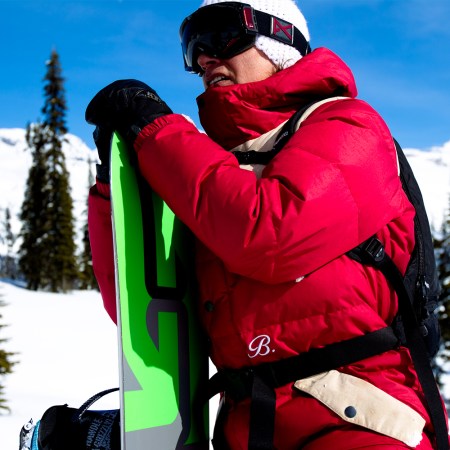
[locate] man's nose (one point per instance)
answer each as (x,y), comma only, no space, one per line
(205,60)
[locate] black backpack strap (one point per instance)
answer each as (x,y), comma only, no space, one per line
(238,382)
(262,415)
(264,158)
(259,382)
(287,130)
(372,252)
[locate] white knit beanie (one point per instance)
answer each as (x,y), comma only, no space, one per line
(282,55)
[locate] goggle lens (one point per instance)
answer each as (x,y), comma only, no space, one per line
(217,30)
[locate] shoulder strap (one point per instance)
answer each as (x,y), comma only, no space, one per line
(294,123)
(288,129)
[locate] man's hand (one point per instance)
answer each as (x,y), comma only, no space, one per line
(125,106)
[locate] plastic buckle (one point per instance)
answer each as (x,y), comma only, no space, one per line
(374,249)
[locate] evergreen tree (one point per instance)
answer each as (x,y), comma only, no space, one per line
(54,109)
(5,365)
(47,254)
(87,278)
(33,211)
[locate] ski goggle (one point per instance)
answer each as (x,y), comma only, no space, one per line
(224,30)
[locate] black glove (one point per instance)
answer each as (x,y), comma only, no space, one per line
(125,106)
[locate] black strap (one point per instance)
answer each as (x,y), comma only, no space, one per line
(372,253)
(253,157)
(238,383)
(265,27)
(287,130)
(259,382)
(262,416)
(78,414)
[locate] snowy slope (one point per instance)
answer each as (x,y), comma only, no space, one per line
(66,348)
(67,352)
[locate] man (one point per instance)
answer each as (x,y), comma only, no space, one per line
(274,278)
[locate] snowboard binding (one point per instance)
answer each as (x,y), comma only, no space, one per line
(64,428)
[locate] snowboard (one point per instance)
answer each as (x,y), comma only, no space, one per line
(162,352)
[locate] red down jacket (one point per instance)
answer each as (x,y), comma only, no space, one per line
(274,280)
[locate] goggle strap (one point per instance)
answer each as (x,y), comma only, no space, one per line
(281,30)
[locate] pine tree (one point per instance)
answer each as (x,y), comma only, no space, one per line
(33,211)
(60,264)
(47,253)
(87,278)
(5,365)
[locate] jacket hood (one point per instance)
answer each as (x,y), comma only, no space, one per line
(231,115)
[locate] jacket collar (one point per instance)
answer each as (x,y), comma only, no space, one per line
(232,115)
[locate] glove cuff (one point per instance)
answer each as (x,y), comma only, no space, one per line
(132,132)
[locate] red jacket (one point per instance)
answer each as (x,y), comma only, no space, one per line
(273,275)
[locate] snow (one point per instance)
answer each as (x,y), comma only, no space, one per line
(432,171)
(66,348)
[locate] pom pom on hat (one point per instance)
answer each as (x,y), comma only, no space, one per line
(282,55)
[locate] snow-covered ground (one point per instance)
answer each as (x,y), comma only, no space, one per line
(66,346)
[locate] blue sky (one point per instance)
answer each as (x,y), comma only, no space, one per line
(399,51)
